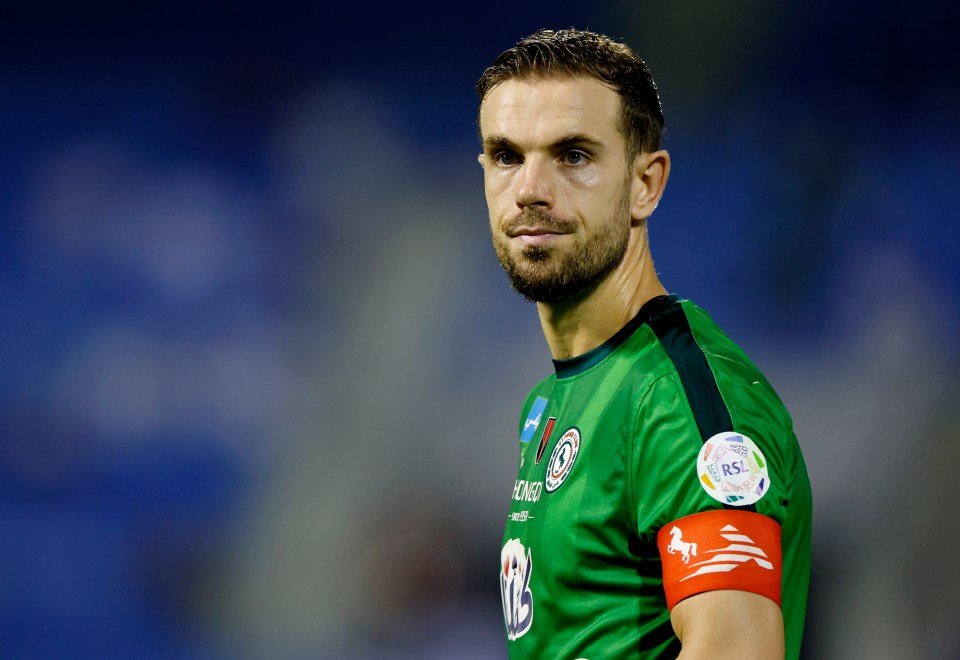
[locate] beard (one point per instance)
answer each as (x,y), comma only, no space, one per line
(548,274)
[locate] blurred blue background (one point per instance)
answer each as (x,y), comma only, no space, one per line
(261,372)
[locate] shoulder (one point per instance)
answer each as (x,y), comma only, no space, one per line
(716,396)
(746,393)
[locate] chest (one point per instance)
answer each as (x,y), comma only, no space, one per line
(571,496)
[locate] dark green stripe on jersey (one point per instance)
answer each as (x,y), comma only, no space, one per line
(673,331)
(669,322)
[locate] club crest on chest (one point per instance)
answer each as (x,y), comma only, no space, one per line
(562,458)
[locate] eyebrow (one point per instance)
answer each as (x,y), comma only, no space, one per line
(497,141)
(578,140)
(571,140)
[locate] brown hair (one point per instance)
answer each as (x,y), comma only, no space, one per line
(575,53)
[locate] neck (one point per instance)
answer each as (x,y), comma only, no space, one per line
(574,327)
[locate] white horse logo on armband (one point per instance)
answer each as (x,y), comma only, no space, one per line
(677,544)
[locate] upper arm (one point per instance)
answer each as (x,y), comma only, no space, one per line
(729,624)
(716,506)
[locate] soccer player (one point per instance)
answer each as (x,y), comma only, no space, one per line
(662,505)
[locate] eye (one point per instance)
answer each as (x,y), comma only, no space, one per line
(505,158)
(574,158)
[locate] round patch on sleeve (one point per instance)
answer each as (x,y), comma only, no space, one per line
(732,469)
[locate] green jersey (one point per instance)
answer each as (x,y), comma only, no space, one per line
(663,431)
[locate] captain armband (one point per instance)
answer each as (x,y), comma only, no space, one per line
(721,549)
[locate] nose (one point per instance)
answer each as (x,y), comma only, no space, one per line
(534,187)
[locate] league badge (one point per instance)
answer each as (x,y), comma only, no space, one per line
(516,565)
(732,469)
(562,458)
(533,419)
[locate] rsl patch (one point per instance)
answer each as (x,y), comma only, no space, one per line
(732,469)
(562,459)
(533,419)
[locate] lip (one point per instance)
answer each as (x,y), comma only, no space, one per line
(535,235)
(532,231)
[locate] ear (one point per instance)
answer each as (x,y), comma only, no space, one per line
(650,173)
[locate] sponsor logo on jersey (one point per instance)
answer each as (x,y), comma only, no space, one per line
(527,491)
(732,469)
(562,459)
(533,419)
(516,565)
(547,430)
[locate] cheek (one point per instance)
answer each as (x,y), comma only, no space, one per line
(496,189)
(496,182)
(586,178)
(595,191)
(493,205)
(585,189)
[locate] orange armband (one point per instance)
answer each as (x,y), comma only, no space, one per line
(721,549)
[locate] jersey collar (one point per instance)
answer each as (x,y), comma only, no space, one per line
(577,365)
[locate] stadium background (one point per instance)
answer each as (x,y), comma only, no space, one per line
(261,373)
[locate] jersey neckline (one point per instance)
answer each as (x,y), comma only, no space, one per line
(577,365)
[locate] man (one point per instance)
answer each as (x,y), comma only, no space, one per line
(662,505)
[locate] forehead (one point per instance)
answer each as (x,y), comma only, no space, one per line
(545,109)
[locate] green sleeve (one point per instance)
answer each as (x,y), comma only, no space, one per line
(666,443)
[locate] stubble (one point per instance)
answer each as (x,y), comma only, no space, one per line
(553,274)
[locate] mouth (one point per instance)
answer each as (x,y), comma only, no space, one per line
(535,235)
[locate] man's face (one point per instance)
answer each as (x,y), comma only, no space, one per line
(557,184)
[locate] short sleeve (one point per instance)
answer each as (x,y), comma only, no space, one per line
(713,506)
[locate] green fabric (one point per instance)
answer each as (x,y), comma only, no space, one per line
(594,585)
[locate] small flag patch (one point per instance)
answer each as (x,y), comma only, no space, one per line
(533,419)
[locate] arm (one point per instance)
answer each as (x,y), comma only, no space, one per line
(728,624)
